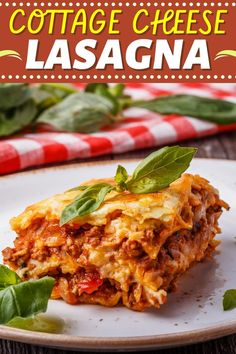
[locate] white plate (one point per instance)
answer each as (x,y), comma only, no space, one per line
(194,313)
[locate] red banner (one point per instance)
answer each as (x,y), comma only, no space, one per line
(118,41)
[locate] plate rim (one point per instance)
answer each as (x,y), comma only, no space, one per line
(113,343)
(118,343)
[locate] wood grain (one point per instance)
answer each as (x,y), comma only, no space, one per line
(222,146)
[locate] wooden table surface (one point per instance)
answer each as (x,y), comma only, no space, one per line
(222,146)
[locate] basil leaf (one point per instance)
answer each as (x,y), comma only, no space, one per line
(17,119)
(160,169)
(79,188)
(25,299)
(80,112)
(13,95)
(115,94)
(115,90)
(104,91)
(229,300)
(47,95)
(86,203)
(58,90)
(212,110)
(118,90)
(121,177)
(93,88)
(43,99)
(38,323)
(8,277)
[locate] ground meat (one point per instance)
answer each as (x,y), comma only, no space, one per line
(132,249)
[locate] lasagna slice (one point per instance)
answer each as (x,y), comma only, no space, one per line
(130,251)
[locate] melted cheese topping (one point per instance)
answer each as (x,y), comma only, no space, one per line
(162,205)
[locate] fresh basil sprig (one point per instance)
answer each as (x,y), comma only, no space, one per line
(49,94)
(25,299)
(154,173)
(87,202)
(21,104)
(22,299)
(79,188)
(13,95)
(80,112)
(62,107)
(209,109)
(89,111)
(8,277)
(18,118)
(229,300)
(121,177)
(160,169)
(115,94)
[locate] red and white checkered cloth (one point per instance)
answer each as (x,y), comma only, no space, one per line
(139,129)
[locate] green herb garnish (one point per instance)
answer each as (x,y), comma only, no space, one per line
(115,94)
(87,202)
(48,95)
(21,105)
(121,177)
(64,108)
(22,299)
(87,112)
(209,109)
(18,118)
(13,95)
(229,300)
(153,174)
(83,112)
(160,169)
(8,277)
